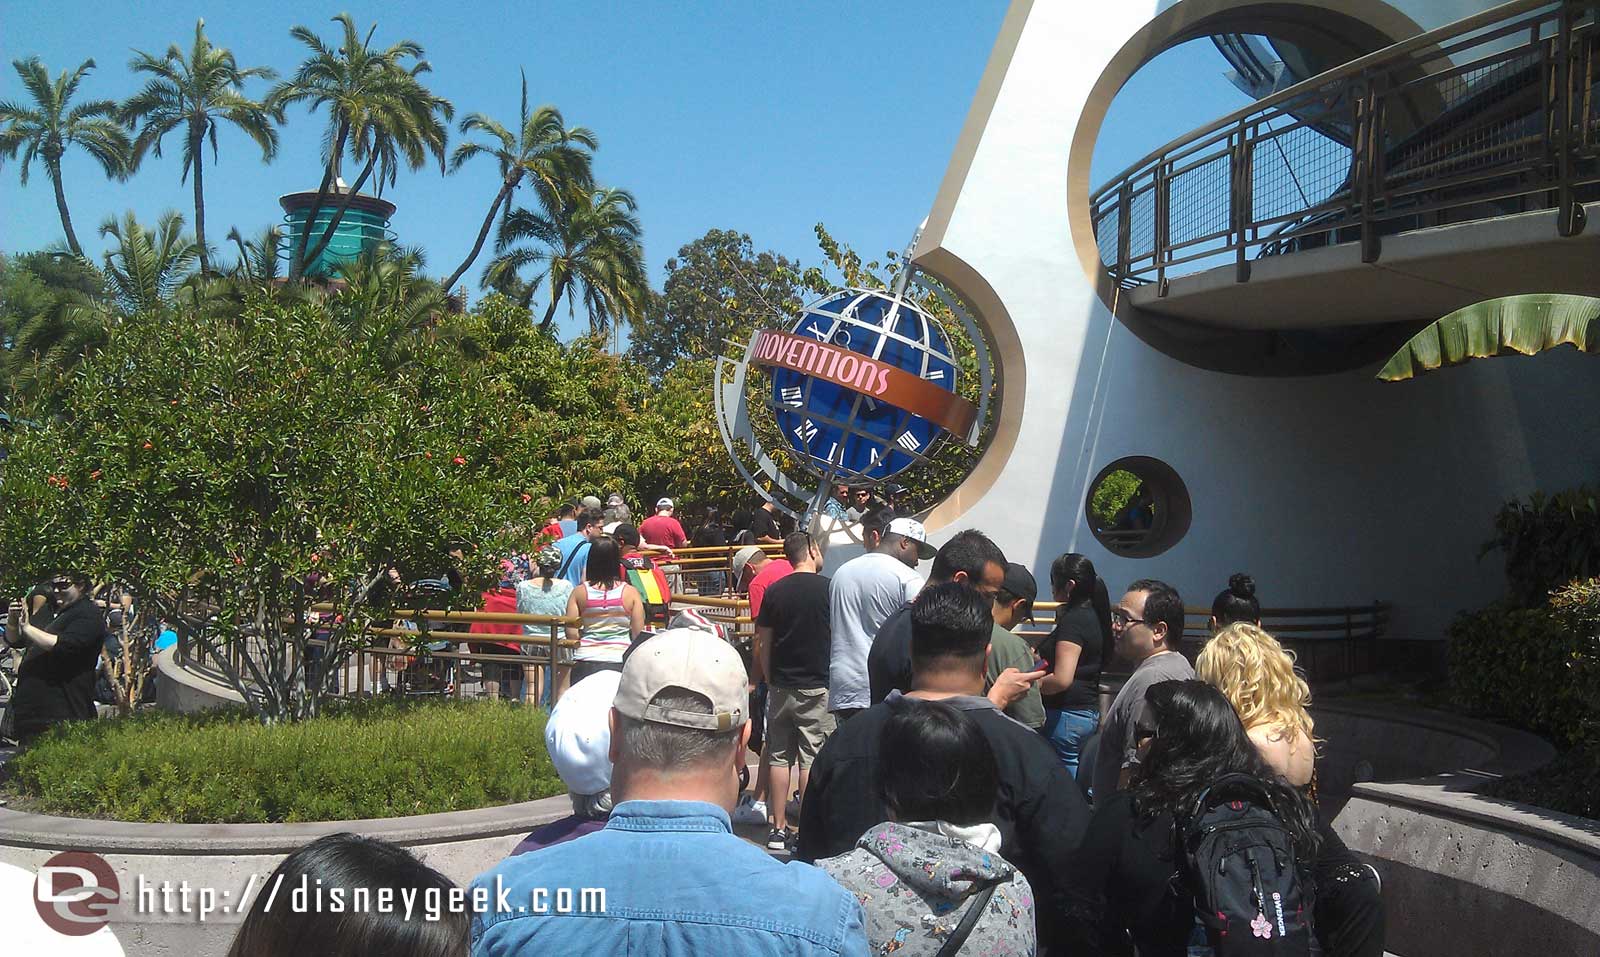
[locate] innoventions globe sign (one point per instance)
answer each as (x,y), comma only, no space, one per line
(863,384)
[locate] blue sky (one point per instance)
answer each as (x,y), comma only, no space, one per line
(763,117)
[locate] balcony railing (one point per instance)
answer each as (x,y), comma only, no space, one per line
(1493,114)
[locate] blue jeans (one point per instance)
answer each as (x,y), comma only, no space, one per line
(1066,731)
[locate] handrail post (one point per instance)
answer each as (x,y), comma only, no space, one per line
(1570,217)
(1239,200)
(1124,224)
(1163,223)
(1365,186)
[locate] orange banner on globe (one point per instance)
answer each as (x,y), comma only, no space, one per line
(863,374)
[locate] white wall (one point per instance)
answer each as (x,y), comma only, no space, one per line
(1330,490)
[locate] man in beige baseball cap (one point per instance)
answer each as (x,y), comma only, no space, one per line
(676,878)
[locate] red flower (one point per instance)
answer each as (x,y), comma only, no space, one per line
(526,498)
(315,558)
(459,460)
(427,455)
(238,560)
(148,445)
(95,474)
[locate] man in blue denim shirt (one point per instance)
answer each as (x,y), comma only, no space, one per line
(667,876)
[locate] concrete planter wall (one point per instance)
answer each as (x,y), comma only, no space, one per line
(223,858)
(1462,873)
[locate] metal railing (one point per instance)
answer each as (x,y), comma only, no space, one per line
(1496,113)
(423,652)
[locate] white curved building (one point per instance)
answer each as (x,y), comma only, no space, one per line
(1330,489)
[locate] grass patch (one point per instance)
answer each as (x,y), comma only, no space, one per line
(365,759)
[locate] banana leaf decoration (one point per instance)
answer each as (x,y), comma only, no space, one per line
(1522,325)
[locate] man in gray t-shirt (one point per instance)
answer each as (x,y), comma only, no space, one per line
(1147,625)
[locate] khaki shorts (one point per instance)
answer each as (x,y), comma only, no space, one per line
(798,723)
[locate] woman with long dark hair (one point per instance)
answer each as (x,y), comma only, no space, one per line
(610,609)
(1073,653)
(361,871)
(1189,737)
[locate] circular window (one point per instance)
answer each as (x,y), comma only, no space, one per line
(1138,507)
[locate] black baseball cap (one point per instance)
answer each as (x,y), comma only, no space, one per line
(1019,583)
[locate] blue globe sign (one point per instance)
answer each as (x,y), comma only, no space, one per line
(863,385)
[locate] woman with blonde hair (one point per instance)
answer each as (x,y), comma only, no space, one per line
(1257,675)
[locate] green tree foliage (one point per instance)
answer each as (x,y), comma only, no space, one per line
(587,243)
(52,312)
(717,288)
(197,94)
(1547,541)
(1112,495)
(144,267)
(554,157)
(50,125)
(378,111)
(245,465)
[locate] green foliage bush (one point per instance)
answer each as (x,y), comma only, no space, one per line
(1539,668)
(1548,541)
(1112,495)
(1515,665)
(360,760)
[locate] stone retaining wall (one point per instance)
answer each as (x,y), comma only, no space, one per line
(223,857)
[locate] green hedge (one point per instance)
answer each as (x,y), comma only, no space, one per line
(1539,669)
(363,760)
(1515,665)
(1548,541)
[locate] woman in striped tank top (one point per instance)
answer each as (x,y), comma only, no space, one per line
(610,609)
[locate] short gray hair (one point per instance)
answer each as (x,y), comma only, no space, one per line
(666,746)
(592,805)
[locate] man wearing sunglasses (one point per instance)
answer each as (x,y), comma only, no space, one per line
(62,650)
(1147,626)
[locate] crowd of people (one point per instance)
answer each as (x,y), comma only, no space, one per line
(941,781)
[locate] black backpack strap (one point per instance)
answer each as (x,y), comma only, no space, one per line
(1235,781)
(969,920)
(562,571)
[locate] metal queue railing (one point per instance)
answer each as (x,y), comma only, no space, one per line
(1495,113)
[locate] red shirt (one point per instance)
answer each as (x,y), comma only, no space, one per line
(499,599)
(663,530)
(769,573)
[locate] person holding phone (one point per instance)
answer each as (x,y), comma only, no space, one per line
(61,643)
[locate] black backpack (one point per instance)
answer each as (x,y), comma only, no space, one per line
(1239,862)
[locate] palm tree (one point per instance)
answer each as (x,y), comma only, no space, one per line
(49,126)
(544,149)
(377,110)
(385,298)
(145,268)
(198,94)
(258,258)
(589,244)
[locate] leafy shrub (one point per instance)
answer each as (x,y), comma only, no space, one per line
(1112,495)
(1516,665)
(1547,542)
(359,760)
(1539,668)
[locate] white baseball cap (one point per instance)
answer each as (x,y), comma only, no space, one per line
(693,660)
(664,503)
(743,557)
(578,733)
(912,529)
